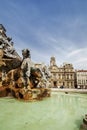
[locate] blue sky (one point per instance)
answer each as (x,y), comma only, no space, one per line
(48,28)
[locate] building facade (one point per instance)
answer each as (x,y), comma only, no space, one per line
(62,76)
(81,78)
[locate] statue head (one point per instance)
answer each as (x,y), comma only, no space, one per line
(26,53)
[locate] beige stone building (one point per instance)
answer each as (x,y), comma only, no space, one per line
(81,78)
(63,75)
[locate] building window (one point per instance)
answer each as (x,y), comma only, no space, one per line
(86,81)
(71,76)
(71,84)
(59,76)
(67,76)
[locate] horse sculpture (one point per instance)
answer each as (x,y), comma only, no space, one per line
(14,85)
(14,78)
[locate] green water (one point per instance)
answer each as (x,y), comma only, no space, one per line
(59,112)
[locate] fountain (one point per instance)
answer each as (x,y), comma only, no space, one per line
(19,78)
(84,124)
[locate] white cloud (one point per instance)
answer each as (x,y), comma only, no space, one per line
(75,52)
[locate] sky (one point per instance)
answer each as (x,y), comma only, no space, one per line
(48,28)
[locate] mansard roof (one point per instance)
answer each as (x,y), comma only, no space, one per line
(81,70)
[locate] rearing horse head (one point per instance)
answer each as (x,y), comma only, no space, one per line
(36,73)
